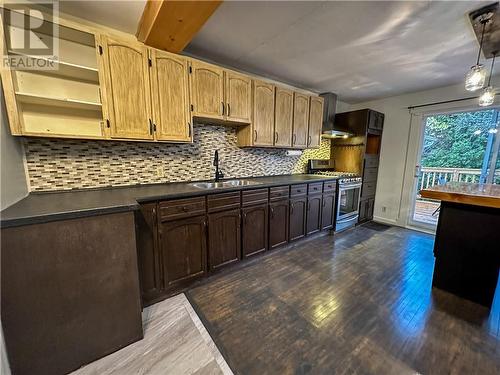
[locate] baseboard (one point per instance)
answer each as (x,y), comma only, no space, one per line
(383,220)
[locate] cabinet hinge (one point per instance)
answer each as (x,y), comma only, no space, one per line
(108,124)
(100,50)
(192,108)
(150,62)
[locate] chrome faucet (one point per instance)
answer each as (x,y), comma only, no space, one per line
(218,173)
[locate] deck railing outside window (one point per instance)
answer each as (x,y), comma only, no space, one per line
(431,176)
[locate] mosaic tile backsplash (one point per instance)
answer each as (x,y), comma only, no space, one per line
(58,164)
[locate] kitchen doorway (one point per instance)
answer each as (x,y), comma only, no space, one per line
(454,146)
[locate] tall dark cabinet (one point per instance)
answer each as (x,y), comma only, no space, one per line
(360,153)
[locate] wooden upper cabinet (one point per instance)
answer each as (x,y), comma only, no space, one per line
(238,91)
(283,117)
(315,121)
(300,120)
(207,90)
(263,114)
(170,95)
(128,98)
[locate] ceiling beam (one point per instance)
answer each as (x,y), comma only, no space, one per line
(170,25)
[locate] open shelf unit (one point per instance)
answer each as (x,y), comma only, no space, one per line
(66,100)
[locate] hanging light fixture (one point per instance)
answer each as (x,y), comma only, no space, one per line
(488,96)
(474,79)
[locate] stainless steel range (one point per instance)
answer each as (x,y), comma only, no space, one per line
(348,192)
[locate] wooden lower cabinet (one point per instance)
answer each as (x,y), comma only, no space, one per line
(366,210)
(254,229)
(297,227)
(183,246)
(224,238)
(313,222)
(278,223)
(327,211)
(148,253)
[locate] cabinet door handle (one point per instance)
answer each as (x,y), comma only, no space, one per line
(324,203)
(275,137)
(244,217)
(255,136)
(222,108)
(291,209)
(294,139)
(309,140)
(150,127)
(228,110)
(272,211)
(308,206)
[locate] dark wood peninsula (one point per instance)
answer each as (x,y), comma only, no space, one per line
(467,239)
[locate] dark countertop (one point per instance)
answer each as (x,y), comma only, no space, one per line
(51,206)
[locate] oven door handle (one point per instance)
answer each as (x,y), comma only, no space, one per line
(350,186)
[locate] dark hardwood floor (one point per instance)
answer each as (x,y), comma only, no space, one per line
(360,302)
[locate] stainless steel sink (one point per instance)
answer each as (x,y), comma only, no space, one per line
(223,184)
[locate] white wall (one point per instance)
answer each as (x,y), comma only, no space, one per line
(397,146)
(13,184)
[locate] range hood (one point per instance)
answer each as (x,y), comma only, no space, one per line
(329,129)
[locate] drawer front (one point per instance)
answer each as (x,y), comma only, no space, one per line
(298,190)
(181,208)
(329,186)
(224,201)
(368,189)
(370,174)
(315,188)
(279,192)
(371,161)
(254,196)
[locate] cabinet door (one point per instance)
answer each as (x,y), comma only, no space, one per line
(283,118)
(313,214)
(224,245)
(315,121)
(183,245)
(128,96)
(170,92)
(327,211)
(207,90)
(148,254)
(263,114)
(300,120)
(363,210)
(369,209)
(297,218)
(254,229)
(238,90)
(278,223)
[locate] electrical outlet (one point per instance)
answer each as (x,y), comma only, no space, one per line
(160,172)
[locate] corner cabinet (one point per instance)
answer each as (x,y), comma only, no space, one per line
(315,121)
(207,91)
(170,97)
(128,110)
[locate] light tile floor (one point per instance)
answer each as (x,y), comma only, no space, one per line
(175,342)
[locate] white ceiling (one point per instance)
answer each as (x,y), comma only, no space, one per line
(359,50)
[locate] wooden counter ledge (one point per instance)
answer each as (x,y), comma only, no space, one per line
(486,195)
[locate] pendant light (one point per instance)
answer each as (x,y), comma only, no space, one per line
(474,79)
(488,96)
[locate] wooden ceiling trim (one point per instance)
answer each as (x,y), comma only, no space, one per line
(170,25)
